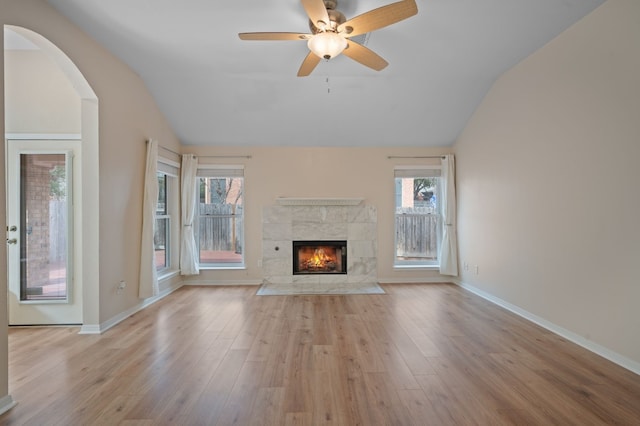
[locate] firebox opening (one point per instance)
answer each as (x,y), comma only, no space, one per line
(319,257)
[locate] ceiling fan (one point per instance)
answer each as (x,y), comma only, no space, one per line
(331,32)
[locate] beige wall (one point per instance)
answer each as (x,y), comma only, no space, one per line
(41,97)
(318,172)
(548,181)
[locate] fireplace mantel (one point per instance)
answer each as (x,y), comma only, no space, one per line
(297,201)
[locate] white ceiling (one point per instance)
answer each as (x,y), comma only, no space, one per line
(218,90)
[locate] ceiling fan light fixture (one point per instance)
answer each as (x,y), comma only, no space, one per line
(327,44)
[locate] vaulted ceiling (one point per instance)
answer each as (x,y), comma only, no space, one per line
(216,89)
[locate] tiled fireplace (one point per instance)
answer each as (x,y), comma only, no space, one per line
(346,224)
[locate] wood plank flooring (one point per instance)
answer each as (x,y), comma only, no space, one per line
(429,354)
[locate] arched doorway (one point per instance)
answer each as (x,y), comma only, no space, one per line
(51,116)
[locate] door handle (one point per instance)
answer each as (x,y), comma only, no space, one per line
(12,228)
(12,241)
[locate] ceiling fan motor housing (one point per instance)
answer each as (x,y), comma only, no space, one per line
(335,18)
(330,4)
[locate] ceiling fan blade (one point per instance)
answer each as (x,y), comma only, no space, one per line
(274,36)
(308,65)
(379,18)
(316,11)
(364,55)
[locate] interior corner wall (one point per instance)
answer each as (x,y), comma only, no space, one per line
(128,116)
(4,352)
(548,181)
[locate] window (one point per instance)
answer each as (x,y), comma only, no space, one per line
(165,238)
(163,226)
(221,216)
(418,221)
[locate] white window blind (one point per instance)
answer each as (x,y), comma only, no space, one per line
(168,167)
(417,172)
(219,171)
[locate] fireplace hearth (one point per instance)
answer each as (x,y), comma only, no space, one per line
(319,257)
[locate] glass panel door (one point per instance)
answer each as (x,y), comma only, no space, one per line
(42,227)
(44,230)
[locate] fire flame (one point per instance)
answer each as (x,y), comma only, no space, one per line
(319,258)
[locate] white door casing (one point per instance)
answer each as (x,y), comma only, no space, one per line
(61,310)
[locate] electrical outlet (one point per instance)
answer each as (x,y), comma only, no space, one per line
(121,286)
(259,263)
(466,266)
(477,270)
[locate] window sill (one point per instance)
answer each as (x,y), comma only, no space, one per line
(417,267)
(222,267)
(165,275)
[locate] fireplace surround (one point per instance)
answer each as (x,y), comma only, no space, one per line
(319,219)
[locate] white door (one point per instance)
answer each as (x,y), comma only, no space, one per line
(42,203)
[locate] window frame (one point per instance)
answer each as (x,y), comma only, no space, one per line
(413,172)
(221,171)
(171,170)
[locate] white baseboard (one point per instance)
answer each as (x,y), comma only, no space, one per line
(440,279)
(222,283)
(89,329)
(101,328)
(6,404)
(604,352)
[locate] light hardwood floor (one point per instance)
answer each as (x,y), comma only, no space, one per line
(429,354)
